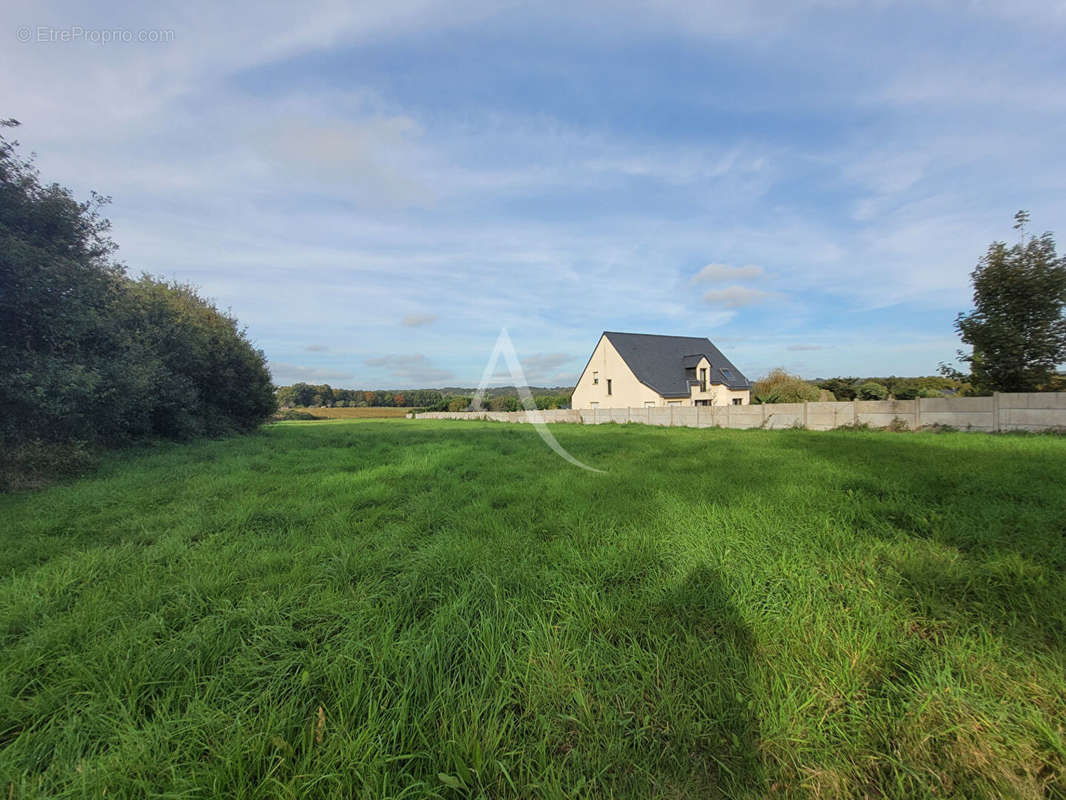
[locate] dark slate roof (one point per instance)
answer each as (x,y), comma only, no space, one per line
(660,361)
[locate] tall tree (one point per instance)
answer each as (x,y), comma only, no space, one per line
(1016,329)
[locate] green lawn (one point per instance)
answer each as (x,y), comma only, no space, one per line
(446,609)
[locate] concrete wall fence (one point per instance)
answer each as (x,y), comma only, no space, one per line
(1000,412)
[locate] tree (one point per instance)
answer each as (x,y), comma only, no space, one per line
(905,389)
(871,391)
(303,394)
(1016,329)
(88,354)
(285,397)
(781,387)
(841,388)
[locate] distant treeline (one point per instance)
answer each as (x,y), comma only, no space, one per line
(307,395)
(781,387)
(88,354)
(898,388)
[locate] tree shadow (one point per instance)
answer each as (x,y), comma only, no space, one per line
(700,692)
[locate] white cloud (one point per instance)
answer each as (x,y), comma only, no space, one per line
(414,368)
(418,320)
(285,373)
(735,296)
(715,273)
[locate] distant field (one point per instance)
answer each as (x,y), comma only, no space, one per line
(441,609)
(356,413)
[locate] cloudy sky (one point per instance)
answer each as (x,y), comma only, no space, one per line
(375,189)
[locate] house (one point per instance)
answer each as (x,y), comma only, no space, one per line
(635,370)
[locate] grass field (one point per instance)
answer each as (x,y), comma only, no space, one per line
(446,609)
(356,413)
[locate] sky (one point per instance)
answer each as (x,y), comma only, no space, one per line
(376,189)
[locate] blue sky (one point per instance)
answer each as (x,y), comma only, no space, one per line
(376,189)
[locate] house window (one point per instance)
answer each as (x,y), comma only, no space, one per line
(703,402)
(737,401)
(649,404)
(673,402)
(703,379)
(608,386)
(594,404)
(595,378)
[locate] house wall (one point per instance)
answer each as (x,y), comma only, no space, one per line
(626,390)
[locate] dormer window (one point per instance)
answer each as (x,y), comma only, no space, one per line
(703,379)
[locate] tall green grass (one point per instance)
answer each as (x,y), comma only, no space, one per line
(420,609)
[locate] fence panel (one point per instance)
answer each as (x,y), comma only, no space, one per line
(965,413)
(782,415)
(1013,411)
(826,416)
(883,413)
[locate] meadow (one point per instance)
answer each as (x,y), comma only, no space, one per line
(406,608)
(367,412)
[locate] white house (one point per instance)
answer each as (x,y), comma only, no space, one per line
(634,370)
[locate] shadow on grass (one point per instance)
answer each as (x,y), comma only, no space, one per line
(705,668)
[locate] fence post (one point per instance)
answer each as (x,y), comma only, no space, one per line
(804,413)
(995,412)
(854,412)
(763,414)
(670,406)
(728,415)
(697,416)
(629,414)
(917,413)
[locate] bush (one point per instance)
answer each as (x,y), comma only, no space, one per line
(840,388)
(291,414)
(502,403)
(871,391)
(88,354)
(35,464)
(781,387)
(906,390)
(552,401)
(938,427)
(857,427)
